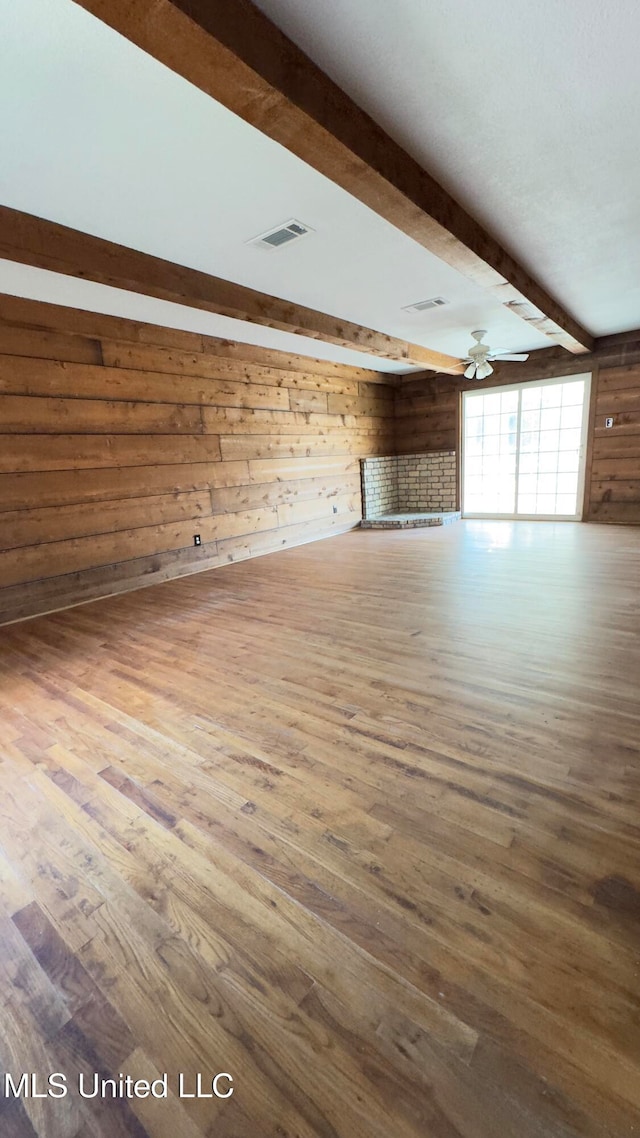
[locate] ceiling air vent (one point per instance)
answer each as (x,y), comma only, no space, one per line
(425,305)
(281,235)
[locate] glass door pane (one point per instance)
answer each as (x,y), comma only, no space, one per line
(491,432)
(522,449)
(550,449)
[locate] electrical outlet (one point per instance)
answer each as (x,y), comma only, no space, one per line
(197,540)
(609,421)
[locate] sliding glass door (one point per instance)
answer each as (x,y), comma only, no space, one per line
(523,449)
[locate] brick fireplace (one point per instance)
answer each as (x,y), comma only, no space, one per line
(405,490)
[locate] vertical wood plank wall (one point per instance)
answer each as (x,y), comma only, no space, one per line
(120,441)
(427,419)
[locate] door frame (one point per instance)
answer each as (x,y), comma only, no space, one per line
(587,377)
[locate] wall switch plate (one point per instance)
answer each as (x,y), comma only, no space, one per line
(609,421)
(197,540)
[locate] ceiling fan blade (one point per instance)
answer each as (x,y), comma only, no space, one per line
(519,357)
(470,371)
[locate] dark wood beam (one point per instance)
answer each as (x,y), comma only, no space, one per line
(46,245)
(235,54)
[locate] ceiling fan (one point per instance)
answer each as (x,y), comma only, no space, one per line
(480,354)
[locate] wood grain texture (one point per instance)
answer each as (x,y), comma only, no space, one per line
(115,450)
(357,823)
(427,410)
(32,240)
(615,455)
(235,54)
(41,324)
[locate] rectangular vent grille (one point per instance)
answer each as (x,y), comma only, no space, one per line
(425,305)
(282,235)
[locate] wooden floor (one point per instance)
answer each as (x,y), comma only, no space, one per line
(357,823)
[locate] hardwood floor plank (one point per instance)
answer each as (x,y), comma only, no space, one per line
(14,1120)
(357,823)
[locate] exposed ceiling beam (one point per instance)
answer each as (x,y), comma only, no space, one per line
(617,350)
(46,245)
(235,54)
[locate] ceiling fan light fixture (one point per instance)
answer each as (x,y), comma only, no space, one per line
(480,354)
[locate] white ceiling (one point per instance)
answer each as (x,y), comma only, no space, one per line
(40,284)
(527,112)
(97,135)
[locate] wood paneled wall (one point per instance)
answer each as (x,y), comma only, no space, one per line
(428,409)
(614,475)
(427,414)
(120,441)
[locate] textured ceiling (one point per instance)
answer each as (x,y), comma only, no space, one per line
(99,136)
(526,112)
